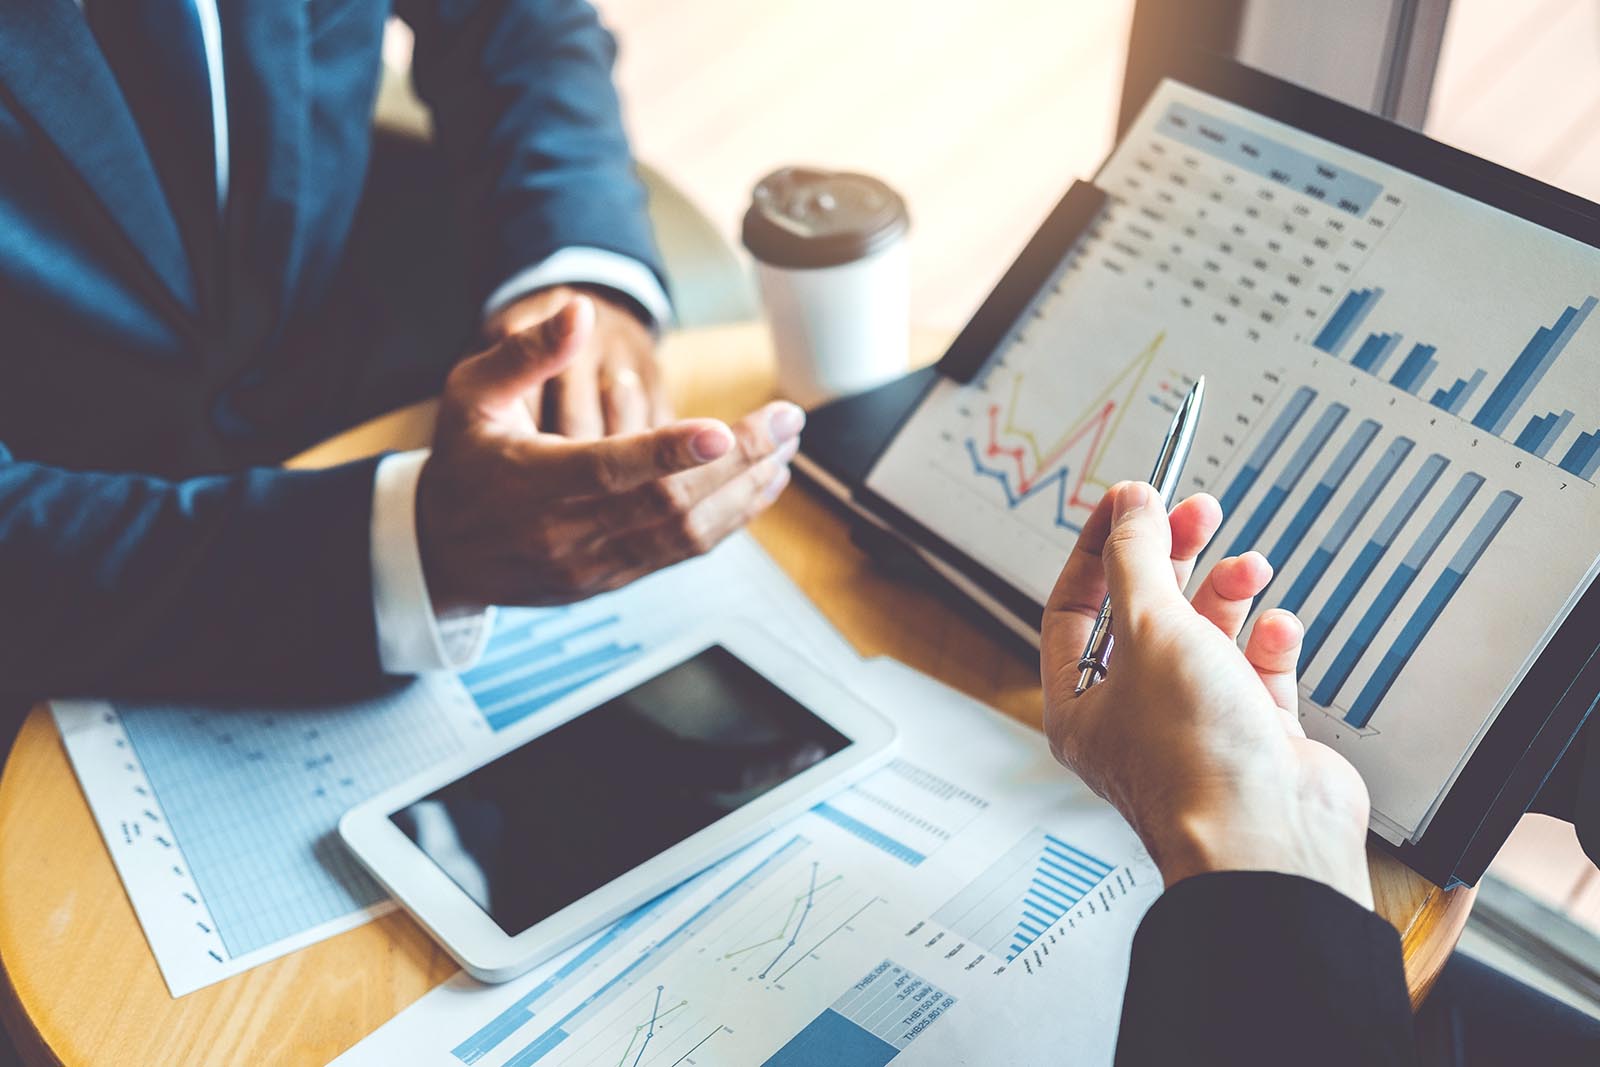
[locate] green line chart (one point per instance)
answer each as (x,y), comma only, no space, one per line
(646,1031)
(799,907)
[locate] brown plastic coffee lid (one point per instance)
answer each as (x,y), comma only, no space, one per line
(809,218)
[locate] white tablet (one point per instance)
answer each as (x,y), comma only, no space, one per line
(615,794)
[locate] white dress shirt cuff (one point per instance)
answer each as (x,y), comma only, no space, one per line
(580,265)
(411,637)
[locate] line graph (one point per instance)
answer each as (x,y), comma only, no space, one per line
(801,905)
(825,938)
(1013,455)
(648,1030)
(810,899)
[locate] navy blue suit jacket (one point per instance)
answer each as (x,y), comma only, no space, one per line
(120,355)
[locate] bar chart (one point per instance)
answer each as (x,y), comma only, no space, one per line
(1311,447)
(1316,502)
(1393,589)
(1266,448)
(1023,894)
(1507,397)
(537,656)
(904,811)
(1416,519)
(1443,588)
(1338,534)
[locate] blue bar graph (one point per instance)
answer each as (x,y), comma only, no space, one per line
(1536,358)
(536,657)
(1369,556)
(1023,894)
(1309,511)
(1415,369)
(1556,426)
(1533,433)
(1583,458)
(1432,606)
(1395,588)
(1346,319)
(1062,876)
(1268,446)
(1345,524)
(1542,432)
(1287,479)
(870,834)
(1455,398)
(1374,352)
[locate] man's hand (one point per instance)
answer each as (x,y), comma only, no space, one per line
(1194,741)
(508,514)
(611,386)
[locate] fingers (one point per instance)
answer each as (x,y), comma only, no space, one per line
(525,361)
(575,406)
(1194,521)
(702,526)
(563,468)
(1070,612)
(1230,589)
(533,399)
(624,402)
(757,436)
(1075,600)
(656,391)
(694,456)
(1137,554)
(1273,649)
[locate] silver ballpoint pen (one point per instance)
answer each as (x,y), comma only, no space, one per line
(1096,656)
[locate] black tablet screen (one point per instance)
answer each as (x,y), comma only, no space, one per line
(550,822)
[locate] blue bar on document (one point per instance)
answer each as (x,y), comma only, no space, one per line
(1395,588)
(1432,606)
(1423,375)
(1530,366)
(1557,426)
(1583,457)
(1269,444)
(1319,496)
(1468,387)
(1373,551)
(870,834)
(1412,368)
(831,1040)
(1352,311)
(1375,351)
(1287,479)
(1533,433)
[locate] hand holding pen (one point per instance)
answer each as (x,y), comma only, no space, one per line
(1096,658)
(1194,739)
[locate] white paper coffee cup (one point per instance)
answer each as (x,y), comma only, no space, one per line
(835,274)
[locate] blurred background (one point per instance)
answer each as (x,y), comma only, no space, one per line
(912,92)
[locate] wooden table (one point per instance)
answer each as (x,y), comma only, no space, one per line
(82,986)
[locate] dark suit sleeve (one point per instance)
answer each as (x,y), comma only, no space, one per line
(1248,967)
(525,110)
(248,586)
